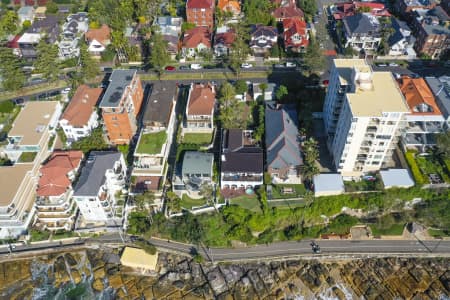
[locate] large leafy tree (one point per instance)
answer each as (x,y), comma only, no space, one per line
(12,74)
(443,144)
(314,59)
(159,56)
(231,112)
(144,201)
(89,66)
(309,7)
(8,23)
(311,154)
(258,12)
(47,60)
(240,49)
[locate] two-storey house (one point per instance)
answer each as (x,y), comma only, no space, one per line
(242,162)
(262,39)
(199,114)
(120,106)
(195,41)
(80,116)
(98,39)
(362,32)
(295,34)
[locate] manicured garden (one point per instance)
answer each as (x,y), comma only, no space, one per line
(285,191)
(394,229)
(151,143)
(188,202)
(373,183)
(249,202)
(423,165)
(197,138)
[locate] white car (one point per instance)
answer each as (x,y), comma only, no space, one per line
(393,65)
(246,66)
(196,66)
(290,64)
(65,91)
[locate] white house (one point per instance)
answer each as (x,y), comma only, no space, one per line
(72,30)
(199,115)
(80,116)
(401,42)
(101,178)
(362,32)
(98,39)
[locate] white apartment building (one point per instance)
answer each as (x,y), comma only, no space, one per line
(80,116)
(28,145)
(363,114)
(96,190)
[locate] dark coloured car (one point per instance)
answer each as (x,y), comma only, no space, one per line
(54,93)
(170,68)
(19,101)
(42,96)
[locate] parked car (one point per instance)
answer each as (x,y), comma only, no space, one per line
(382,65)
(278,66)
(246,66)
(65,91)
(290,64)
(19,101)
(326,82)
(393,65)
(183,68)
(196,66)
(42,96)
(170,68)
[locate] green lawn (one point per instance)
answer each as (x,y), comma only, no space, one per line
(363,185)
(298,191)
(151,143)
(438,233)
(197,138)
(63,235)
(287,204)
(395,229)
(187,202)
(248,202)
(205,75)
(37,235)
(27,157)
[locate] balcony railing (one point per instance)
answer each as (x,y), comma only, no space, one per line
(241,178)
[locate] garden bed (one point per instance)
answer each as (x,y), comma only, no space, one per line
(188,202)
(286,191)
(197,138)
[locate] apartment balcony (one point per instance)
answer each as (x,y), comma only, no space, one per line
(371,129)
(364,150)
(366,143)
(42,202)
(369,136)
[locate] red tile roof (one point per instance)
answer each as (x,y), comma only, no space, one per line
(199,4)
(229,5)
(193,37)
(13,43)
(347,9)
(101,35)
(201,100)
(292,27)
(81,105)
(226,38)
(54,180)
(417,92)
(290,11)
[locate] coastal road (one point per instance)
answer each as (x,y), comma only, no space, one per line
(328,247)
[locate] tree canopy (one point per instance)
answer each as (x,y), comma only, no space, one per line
(443,143)
(10,68)
(258,12)
(8,23)
(159,56)
(47,57)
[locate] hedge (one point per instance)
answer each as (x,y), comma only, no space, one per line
(417,174)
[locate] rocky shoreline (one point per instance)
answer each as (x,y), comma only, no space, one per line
(97,274)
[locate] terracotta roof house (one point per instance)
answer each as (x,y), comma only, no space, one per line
(262,39)
(223,40)
(242,162)
(199,115)
(346,9)
(289,11)
(54,190)
(296,38)
(98,39)
(80,116)
(196,40)
(200,12)
(425,118)
(283,156)
(232,6)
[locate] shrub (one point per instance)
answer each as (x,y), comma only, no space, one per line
(417,174)
(147,247)
(6,106)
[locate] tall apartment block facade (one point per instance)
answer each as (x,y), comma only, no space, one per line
(120,106)
(363,115)
(200,12)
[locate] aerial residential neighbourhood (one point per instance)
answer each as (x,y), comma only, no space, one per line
(223,123)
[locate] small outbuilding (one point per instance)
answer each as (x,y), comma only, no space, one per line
(328,184)
(139,259)
(396,178)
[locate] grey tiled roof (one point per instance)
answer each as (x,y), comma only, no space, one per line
(160,102)
(119,80)
(282,144)
(93,173)
(441,90)
(360,23)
